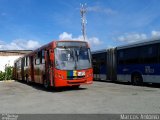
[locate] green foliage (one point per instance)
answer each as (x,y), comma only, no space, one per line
(2,75)
(7,75)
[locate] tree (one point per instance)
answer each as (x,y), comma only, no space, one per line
(7,75)
(8,72)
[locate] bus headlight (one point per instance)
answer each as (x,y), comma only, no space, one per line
(59,76)
(81,73)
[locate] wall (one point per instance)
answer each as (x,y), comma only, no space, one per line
(7,60)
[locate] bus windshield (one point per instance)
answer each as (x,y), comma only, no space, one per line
(72,58)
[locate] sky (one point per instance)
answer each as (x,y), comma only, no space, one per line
(29,24)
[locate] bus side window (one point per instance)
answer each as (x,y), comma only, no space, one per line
(26,61)
(131,56)
(153,51)
(149,54)
(121,59)
(42,57)
(37,59)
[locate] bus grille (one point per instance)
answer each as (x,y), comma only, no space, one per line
(74,77)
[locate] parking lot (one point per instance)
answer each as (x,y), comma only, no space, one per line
(100,97)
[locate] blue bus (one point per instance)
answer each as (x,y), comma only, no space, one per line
(104,64)
(136,63)
(99,64)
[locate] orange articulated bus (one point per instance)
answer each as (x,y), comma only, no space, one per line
(57,64)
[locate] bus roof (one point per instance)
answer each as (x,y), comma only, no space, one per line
(99,51)
(136,44)
(47,45)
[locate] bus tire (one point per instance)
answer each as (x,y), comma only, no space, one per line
(27,80)
(137,79)
(46,83)
(75,86)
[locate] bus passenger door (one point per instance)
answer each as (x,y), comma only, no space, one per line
(22,69)
(31,69)
(49,66)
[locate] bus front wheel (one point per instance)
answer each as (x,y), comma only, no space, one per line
(27,80)
(76,86)
(46,83)
(137,79)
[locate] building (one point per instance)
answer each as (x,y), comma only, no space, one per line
(7,57)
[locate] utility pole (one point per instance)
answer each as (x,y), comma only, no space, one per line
(83,11)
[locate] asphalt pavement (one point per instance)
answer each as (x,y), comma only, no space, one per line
(98,98)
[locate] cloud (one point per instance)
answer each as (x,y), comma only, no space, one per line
(31,44)
(93,41)
(155,34)
(133,37)
(65,36)
(22,44)
(19,44)
(99,9)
